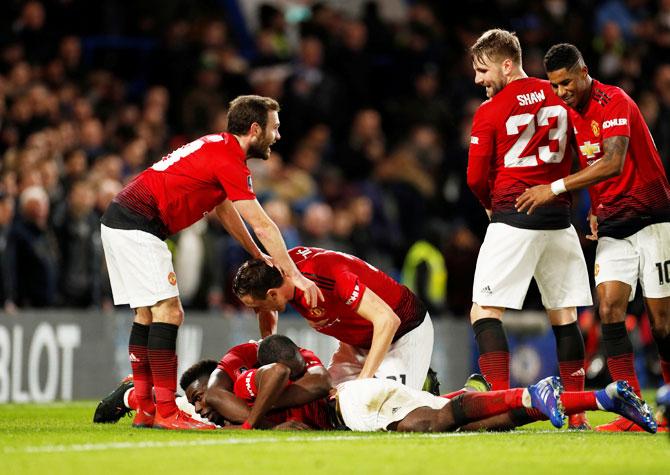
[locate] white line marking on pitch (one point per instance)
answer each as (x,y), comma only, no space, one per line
(234,441)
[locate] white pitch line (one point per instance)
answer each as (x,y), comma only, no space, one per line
(239,441)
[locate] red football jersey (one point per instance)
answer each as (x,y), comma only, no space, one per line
(520,138)
(343,279)
(640,196)
(189,182)
(314,414)
(239,359)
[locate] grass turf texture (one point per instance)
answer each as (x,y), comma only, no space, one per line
(60,438)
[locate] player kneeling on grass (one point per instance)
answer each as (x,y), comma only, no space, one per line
(379,404)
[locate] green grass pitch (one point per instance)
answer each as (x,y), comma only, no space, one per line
(61,439)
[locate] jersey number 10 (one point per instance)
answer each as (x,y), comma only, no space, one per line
(532,122)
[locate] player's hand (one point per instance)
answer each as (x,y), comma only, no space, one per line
(267,259)
(313,294)
(534,197)
(593,224)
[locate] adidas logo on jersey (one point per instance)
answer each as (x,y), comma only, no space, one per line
(487,290)
(133,358)
(579,372)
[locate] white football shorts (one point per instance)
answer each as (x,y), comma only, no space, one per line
(372,404)
(407,360)
(140,267)
(644,255)
(509,257)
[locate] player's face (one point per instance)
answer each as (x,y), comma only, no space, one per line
(297,366)
(572,86)
(489,75)
(195,393)
(273,302)
(260,145)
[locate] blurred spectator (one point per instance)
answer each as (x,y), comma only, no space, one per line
(77,230)
(316,228)
(35,251)
(7,290)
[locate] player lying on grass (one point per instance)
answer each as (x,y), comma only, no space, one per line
(378,404)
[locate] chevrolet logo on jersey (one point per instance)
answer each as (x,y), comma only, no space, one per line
(590,150)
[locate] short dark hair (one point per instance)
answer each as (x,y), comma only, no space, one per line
(563,55)
(255,278)
(200,369)
(497,44)
(245,110)
(275,348)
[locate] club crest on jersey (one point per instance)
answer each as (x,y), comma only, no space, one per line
(316,312)
(595,128)
(250,183)
(172,278)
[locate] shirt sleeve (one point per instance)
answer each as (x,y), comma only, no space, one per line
(311,360)
(480,154)
(233,361)
(233,174)
(245,385)
(348,288)
(616,117)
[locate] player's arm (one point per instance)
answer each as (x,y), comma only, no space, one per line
(268,233)
(385,323)
(220,397)
(480,154)
(270,381)
(608,166)
(233,223)
(267,322)
(314,384)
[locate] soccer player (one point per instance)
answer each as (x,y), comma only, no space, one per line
(210,387)
(630,209)
(207,174)
(519,138)
(383,328)
(383,404)
(368,404)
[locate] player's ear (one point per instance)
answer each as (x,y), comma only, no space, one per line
(271,294)
(255,129)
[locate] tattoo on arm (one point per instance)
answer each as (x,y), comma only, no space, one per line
(615,150)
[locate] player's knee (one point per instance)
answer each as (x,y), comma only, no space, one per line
(660,322)
(611,312)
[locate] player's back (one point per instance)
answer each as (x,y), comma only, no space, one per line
(524,132)
(189,182)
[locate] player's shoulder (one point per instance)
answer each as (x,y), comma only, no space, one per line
(606,94)
(244,349)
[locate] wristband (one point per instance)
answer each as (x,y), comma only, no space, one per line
(246,426)
(558,187)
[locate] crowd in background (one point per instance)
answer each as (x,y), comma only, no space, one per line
(375,126)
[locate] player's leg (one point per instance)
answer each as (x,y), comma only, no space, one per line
(492,344)
(505,264)
(138,352)
(653,245)
(659,315)
(465,410)
(563,257)
(570,352)
(408,359)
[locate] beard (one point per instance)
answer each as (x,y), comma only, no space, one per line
(259,150)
